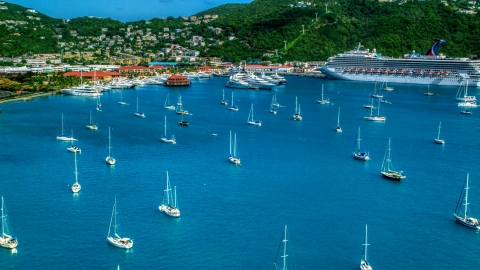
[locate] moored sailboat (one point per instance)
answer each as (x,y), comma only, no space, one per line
(388,170)
(114,239)
(73,148)
(224,101)
(438,140)
(251,121)
(90,124)
(364,265)
(377,117)
(357,152)
(180,109)
(462,214)
(64,136)
(233,107)
(76,187)
(6,240)
(110,160)
(274,105)
(297,116)
(167,104)
(284,256)
(323,101)
(138,113)
(165,138)
(338,128)
(169,202)
(232,157)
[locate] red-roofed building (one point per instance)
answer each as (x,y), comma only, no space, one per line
(177,80)
(94,75)
(139,69)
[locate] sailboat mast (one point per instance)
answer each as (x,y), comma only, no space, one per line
(230,142)
(175,196)
(338,121)
(322,92)
(115,216)
(466,198)
(232,98)
(296,105)
(76,172)
(366,244)
(167,190)
(358,140)
(235,146)
(285,249)
(165,126)
(439,126)
(109,141)
(3,219)
(137,104)
(62,125)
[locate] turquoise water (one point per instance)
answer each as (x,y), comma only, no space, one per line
(299,174)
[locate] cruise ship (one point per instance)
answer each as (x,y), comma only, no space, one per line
(371,66)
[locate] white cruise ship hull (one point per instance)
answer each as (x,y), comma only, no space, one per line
(441,80)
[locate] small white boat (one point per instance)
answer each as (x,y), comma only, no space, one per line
(138,113)
(114,239)
(233,107)
(73,148)
(297,116)
(438,140)
(110,160)
(251,121)
(364,265)
(466,112)
(6,240)
(76,186)
(121,102)
(90,124)
(233,155)
(338,128)
(357,152)
(462,216)
(323,101)
(169,203)
(167,104)
(64,136)
(165,138)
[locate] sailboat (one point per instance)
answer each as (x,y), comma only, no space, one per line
(461,212)
(338,128)
(76,187)
(233,155)
(273,107)
(370,103)
(90,124)
(357,152)
(233,107)
(224,102)
(121,102)
(375,95)
(297,116)
(183,122)
(99,104)
(385,86)
(462,93)
(167,104)
(428,93)
(251,121)
(138,113)
(387,166)
(115,239)
(63,136)
(110,160)
(169,203)
(275,103)
(166,138)
(284,256)
(73,148)
(377,117)
(6,240)
(438,140)
(323,101)
(180,109)
(364,263)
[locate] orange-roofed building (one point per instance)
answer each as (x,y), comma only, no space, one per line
(177,80)
(94,75)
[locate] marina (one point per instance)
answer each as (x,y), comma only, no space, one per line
(285,164)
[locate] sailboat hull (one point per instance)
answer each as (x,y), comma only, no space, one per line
(469,221)
(361,156)
(110,161)
(169,211)
(6,241)
(76,188)
(393,175)
(125,243)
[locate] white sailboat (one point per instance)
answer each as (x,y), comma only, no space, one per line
(284,256)
(167,104)
(297,116)
(138,113)
(169,202)
(233,155)
(462,93)
(323,101)
(179,102)
(180,109)
(99,104)
(357,152)
(273,106)
(428,93)
(372,117)
(338,128)
(364,265)
(114,239)
(121,102)
(462,214)
(385,86)
(224,101)
(110,160)
(370,103)
(251,121)
(73,148)
(76,186)
(90,124)
(165,138)
(275,103)
(438,140)
(64,136)
(375,95)
(233,107)
(387,167)
(6,240)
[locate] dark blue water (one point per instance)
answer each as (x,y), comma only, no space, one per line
(301,174)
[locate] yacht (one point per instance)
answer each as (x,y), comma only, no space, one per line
(82,90)
(237,83)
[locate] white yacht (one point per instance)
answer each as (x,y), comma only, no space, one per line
(82,90)
(237,83)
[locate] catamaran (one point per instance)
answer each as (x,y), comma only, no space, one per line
(6,240)
(76,186)
(165,138)
(338,128)
(63,136)
(297,116)
(387,166)
(110,160)
(357,152)
(233,107)
(438,140)
(251,121)
(169,203)
(90,124)
(224,101)
(73,148)
(323,101)
(138,113)
(167,104)
(463,215)
(364,265)
(114,239)
(233,155)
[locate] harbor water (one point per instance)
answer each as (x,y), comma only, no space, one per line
(295,173)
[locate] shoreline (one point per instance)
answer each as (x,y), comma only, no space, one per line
(28,97)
